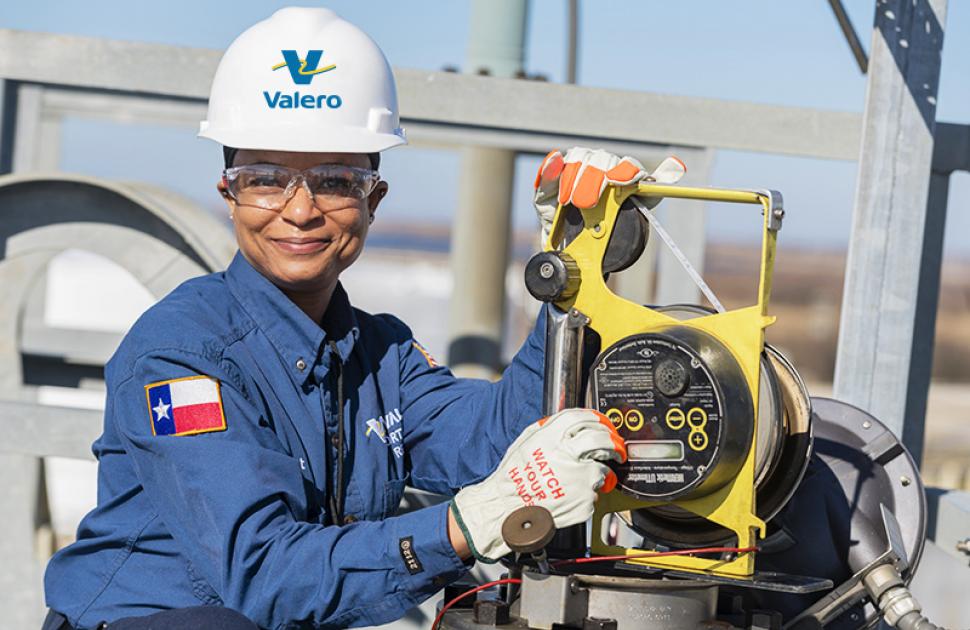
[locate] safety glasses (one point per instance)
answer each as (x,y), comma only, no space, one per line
(270,187)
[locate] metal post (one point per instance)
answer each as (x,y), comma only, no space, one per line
(8,121)
(480,237)
(951,152)
(924,321)
(572,39)
(850,36)
(894,244)
(36,137)
(562,389)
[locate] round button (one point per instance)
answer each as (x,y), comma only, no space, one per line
(697,418)
(634,419)
(697,440)
(676,418)
(335,440)
(671,377)
(350,518)
(615,416)
(528,529)
(300,364)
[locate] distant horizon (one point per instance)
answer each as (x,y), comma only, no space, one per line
(434,236)
(695,53)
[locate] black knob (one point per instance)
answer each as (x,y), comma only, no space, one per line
(552,276)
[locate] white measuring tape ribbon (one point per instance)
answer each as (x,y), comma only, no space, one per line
(679,255)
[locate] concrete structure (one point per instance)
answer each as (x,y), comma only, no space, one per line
(480,236)
(161,240)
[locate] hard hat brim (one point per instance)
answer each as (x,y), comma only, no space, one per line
(290,138)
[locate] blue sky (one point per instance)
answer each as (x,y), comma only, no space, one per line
(787,53)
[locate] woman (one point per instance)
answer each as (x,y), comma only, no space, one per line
(259,431)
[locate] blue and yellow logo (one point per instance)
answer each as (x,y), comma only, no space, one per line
(303,70)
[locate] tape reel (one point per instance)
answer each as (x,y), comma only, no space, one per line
(782,452)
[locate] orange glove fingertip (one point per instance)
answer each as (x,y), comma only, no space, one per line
(567,180)
(588,189)
(623,172)
(609,482)
(550,168)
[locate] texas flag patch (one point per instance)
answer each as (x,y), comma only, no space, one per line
(185,406)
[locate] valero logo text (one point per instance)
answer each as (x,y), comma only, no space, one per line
(302,72)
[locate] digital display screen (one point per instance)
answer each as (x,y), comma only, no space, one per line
(656,451)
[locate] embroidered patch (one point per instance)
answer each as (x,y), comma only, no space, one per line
(185,406)
(374,426)
(388,429)
(427,355)
(410,557)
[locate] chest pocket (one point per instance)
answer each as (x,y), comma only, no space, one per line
(393,491)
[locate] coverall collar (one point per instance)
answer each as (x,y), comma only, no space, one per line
(298,339)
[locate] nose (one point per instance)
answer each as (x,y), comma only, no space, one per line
(299,209)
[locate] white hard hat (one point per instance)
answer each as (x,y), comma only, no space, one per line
(304,80)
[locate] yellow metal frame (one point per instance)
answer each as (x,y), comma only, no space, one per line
(740,330)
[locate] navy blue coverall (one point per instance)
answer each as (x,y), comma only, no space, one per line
(238,511)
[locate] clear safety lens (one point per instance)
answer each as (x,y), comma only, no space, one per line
(270,187)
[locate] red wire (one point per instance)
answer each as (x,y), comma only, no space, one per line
(649,554)
(471,591)
(656,554)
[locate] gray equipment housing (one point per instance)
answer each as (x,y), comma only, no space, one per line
(859,514)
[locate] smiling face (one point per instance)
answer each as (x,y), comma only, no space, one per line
(303,247)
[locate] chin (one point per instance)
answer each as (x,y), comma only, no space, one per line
(302,275)
(306,280)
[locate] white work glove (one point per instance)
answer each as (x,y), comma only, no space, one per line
(581,176)
(556,464)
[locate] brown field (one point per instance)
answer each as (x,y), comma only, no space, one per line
(806,299)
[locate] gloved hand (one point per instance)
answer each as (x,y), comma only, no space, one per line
(581,176)
(555,463)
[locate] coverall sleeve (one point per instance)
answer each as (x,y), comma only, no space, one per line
(236,504)
(456,430)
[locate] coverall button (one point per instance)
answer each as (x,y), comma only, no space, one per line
(335,441)
(300,364)
(350,518)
